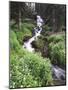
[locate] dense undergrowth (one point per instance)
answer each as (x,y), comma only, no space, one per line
(31,69)
(57,49)
(27,69)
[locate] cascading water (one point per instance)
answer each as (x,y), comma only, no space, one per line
(58,73)
(27,44)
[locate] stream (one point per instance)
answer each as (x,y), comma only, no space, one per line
(58,73)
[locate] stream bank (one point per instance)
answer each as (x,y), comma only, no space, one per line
(58,74)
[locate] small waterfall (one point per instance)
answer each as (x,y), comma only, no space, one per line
(27,44)
(58,73)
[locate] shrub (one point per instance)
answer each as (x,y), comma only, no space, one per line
(26,30)
(29,70)
(29,26)
(39,43)
(22,34)
(40,68)
(57,50)
(20,74)
(56,38)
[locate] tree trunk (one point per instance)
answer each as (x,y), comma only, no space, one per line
(19,17)
(53,20)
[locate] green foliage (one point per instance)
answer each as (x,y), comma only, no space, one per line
(13,25)
(56,38)
(29,26)
(14,44)
(22,34)
(38,44)
(47,28)
(27,20)
(27,69)
(30,70)
(26,30)
(57,49)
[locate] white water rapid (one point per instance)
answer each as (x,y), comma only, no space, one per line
(58,73)
(27,44)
